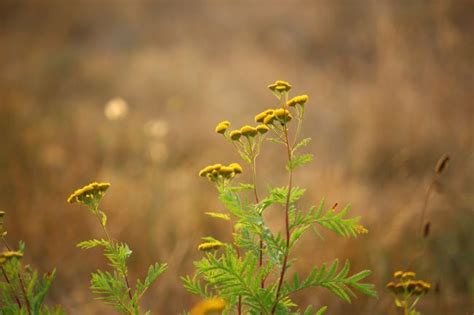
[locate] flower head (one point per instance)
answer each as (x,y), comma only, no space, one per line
(220,173)
(280,86)
(408,275)
(235,135)
(209,306)
(6,256)
(89,194)
(237,168)
(261,116)
(248,131)
(405,283)
(222,126)
(206,246)
(283,115)
(297,100)
(269,119)
(262,128)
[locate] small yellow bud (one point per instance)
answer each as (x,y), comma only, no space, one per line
(206,171)
(280,86)
(408,275)
(235,135)
(210,246)
(226,171)
(298,100)
(269,119)
(283,115)
(209,306)
(237,168)
(262,129)
(397,274)
(222,127)
(248,131)
(216,167)
(260,117)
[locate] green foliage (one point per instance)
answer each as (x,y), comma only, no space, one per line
(113,288)
(23,290)
(252,273)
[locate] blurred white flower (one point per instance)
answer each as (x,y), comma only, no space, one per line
(156,128)
(116,109)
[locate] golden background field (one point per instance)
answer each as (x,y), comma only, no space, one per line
(130,93)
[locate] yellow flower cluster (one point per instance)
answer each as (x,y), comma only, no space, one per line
(216,171)
(297,100)
(248,131)
(270,116)
(405,283)
(209,306)
(280,86)
(5,256)
(206,246)
(89,193)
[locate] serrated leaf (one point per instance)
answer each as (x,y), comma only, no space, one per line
(302,143)
(92,243)
(299,160)
(321,311)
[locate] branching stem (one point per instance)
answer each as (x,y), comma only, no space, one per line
(112,242)
(287,219)
(22,285)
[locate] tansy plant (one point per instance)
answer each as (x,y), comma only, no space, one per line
(253,274)
(407,291)
(22,289)
(114,287)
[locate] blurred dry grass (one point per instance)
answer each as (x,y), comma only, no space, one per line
(391,90)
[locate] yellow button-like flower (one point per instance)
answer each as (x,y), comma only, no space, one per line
(222,126)
(269,119)
(283,115)
(262,129)
(203,172)
(235,135)
(280,86)
(237,168)
(248,131)
(92,192)
(408,275)
(209,306)
(298,100)
(397,274)
(261,116)
(206,246)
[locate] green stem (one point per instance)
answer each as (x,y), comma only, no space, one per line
(11,287)
(287,221)
(22,286)
(112,242)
